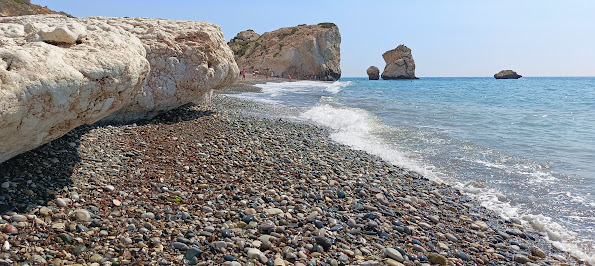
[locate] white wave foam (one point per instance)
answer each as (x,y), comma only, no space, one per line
(559,237)
(355,128)
(276,89)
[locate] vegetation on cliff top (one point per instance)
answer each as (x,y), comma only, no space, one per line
(327,25)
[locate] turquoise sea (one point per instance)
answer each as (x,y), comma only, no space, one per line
(524,148)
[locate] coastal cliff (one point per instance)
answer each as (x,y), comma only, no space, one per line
(304,51)
(57,73)
(9,8)
(399,64)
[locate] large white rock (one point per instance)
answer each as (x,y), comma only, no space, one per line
(57,73)
(47,90)
(188,59)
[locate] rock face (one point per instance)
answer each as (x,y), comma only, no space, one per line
(507,74)
(305,51)
(373,73)
(23,7)
(188,59)
(57,73)
(399,64)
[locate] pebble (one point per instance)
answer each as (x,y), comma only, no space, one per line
(437,259)
(394,254)
(521,259)
(179,245)
(148,215)
(462,255)
(61,202)
(324,242)
(116,202)
(82,215)
(192,253)
(537,252)
(19,218)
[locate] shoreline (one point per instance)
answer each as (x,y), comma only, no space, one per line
(214,185)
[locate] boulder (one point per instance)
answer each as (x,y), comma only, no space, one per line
(507,74)
(373,73)
(57,73)
(246,36)
(304,51)
(399,64)
(47,90)
(188,60)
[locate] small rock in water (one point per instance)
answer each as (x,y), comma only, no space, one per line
(5,185)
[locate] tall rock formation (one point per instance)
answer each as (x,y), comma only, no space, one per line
(373,73)
(399,64)
(507,74)
(305,51)
(57,73)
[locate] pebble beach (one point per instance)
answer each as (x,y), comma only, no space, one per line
(211,185)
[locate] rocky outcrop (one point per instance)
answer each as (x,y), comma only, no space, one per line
(57,73)
(305,51)
(10,8)
(373,73)
(399,64)
(188,60)
(507,74)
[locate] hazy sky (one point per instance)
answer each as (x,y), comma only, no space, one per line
(447,38)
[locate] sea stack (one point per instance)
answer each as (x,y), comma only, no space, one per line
(399,64)
(304,51)
(373,73)
(507,74)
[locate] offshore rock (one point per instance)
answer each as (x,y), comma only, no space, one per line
(507,74)
(305,51)
(373,73)
(57,73)
(399,64)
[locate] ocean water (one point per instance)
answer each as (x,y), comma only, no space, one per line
(523,148)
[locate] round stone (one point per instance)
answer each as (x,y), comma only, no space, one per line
(82,215)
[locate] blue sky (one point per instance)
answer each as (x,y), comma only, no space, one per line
(447,38)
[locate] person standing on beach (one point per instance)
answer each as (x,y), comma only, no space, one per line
(243,72)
